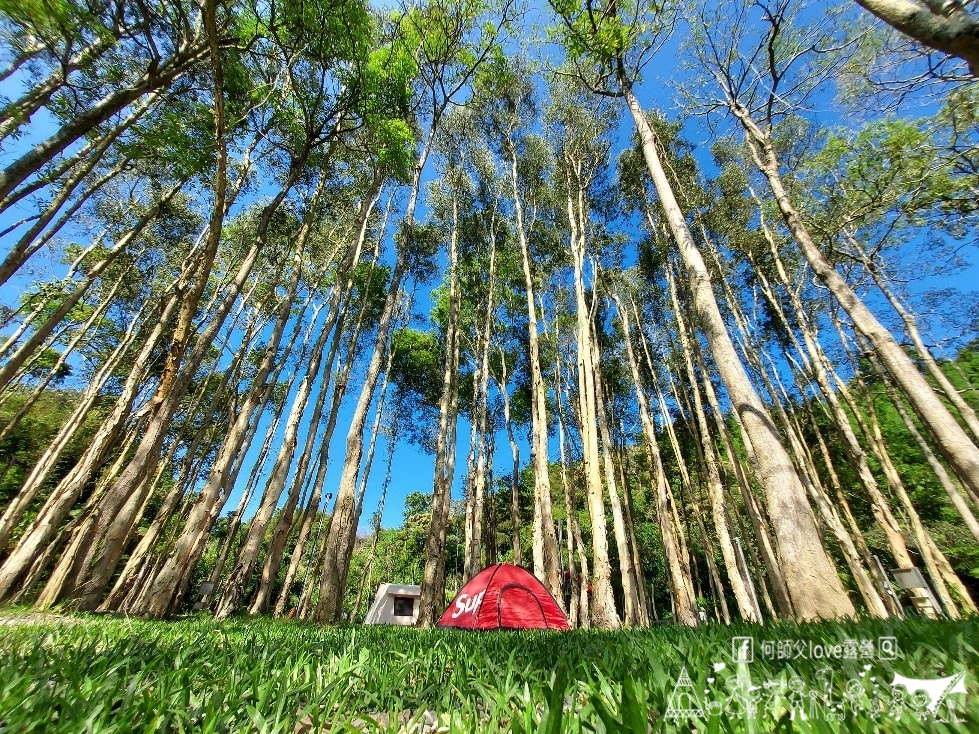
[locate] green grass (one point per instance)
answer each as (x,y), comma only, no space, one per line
(117,675)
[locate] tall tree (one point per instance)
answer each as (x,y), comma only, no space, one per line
(616,41)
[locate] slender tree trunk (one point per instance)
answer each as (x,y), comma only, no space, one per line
(18,112)
(116,515)
(63,497)
(603,612)
(240,575)
(32,240)
(875,439)
(339,390)
(492,550)
(368,582)
(248,554)
(739,585)
(14,362)
(814,357)
(167,583)
(79,334)
(679,577)
(159,597)
(474,510)
(515,474)
(688,487)
(574,610)
(139,566)
(433,575)
(820,498)
(627,507)
(804,461)
(344,520)
(544,539)
(946,581)
(284,523)
(958,501)
(910,324)
(953,442)
(162,75)
(773,566)
(628,565)
(812,581)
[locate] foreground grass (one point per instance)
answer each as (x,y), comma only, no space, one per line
(116,675)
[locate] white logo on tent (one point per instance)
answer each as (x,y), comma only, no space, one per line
(466,604)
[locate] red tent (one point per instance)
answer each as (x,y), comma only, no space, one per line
(504,596)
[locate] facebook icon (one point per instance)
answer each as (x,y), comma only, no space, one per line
(743,649)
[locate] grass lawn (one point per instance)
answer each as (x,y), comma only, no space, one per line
(118,675)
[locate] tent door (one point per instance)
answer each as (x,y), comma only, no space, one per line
(517,607)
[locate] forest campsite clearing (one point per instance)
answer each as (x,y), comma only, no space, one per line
(635,341)
(123,675)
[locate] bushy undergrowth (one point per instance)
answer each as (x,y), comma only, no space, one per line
(117,675)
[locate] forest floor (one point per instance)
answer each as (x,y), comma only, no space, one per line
(86,673)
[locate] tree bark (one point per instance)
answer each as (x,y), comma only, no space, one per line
(955,31)
(680,586)
(432,599)
(953,442)
(544,540)
(343,522)
(812,581)
(474,509)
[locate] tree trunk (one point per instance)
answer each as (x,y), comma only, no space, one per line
(875,439)
(944,384)
(773,568)
(812,581)
(162,75)
(167,583)
(433,575)
(804,461)
(954,30)
(953,442)
(958,501)
(63,497)
(515,473)
(477,485)
(945,579)
(715,489)
(343,522)
(603,612)
(679,578)
(234,587)
(574,608)
(116,515)
(544,540)
(688,487)
(18,112)
(14,362)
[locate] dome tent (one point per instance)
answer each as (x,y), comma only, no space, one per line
(504,596)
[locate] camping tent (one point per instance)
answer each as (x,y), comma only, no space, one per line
(504,596)
(394,604)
